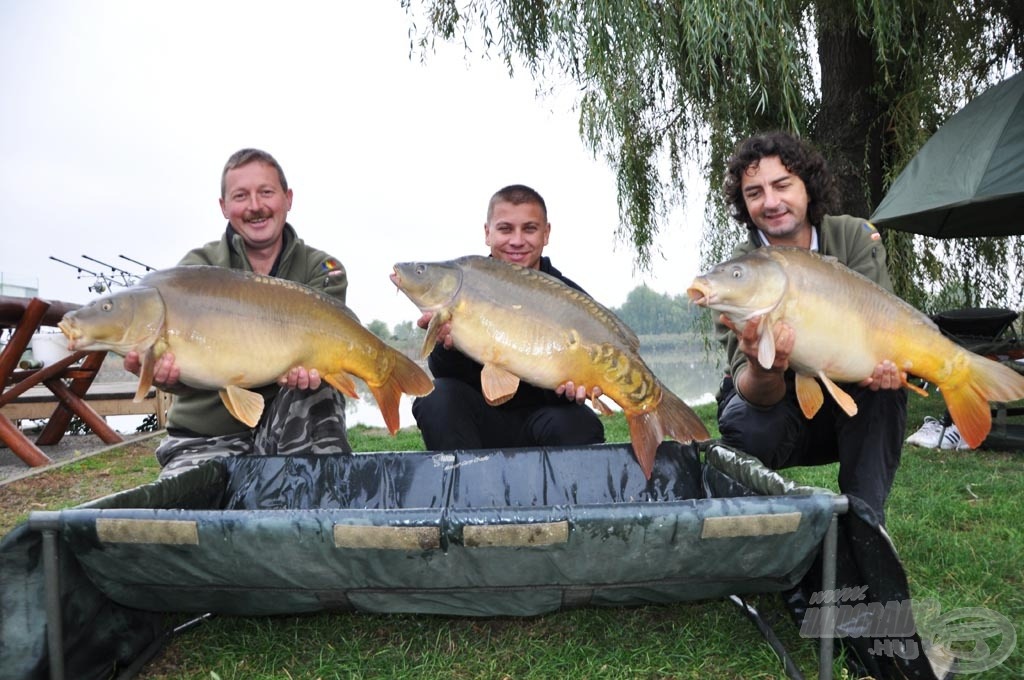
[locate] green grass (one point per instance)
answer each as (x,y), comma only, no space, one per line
(954,516)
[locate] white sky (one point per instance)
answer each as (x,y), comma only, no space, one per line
(117,118)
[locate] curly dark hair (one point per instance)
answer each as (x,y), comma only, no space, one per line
(799,157)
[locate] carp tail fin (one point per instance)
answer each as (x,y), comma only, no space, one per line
(670,417)
(410,377)
(968,398)
(406,378)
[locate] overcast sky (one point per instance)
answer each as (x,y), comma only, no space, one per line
(118,117)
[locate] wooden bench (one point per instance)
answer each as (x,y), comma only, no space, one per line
(106,399)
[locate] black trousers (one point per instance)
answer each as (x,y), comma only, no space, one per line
(867,446)
(456,416)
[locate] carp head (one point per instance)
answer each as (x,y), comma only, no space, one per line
(127,320)
(433,287)
(430,285)
(744,287)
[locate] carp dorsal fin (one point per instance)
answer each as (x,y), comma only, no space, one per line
(343,383)
(808,395)
(766,345)
(498,385)
(439,318)
(844,400)
(244,405)
(148,359)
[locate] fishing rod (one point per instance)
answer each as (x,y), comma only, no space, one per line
(75,266)
(141,264)
(100,284)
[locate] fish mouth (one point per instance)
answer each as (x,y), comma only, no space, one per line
(699,293)
(396,278)
(70,332)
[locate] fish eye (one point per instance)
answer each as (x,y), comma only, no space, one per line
(737,273)
(107,306)
(420,268)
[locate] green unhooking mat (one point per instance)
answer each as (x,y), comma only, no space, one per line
(472,533)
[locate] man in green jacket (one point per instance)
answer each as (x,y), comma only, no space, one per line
(781,189)
(303,414)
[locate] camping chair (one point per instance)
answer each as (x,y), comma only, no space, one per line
(988,331)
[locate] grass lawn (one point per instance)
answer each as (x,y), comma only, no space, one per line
(954,516)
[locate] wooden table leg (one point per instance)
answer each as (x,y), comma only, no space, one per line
(20,444)
(71,402)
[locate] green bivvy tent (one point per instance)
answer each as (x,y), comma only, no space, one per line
(517,532)
(968,178)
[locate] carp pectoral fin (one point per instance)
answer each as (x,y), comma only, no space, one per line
(145,375)
(244,405)
(844,400)
(433,330)
(343,383)
(766,347)
(498,385)
(808,395)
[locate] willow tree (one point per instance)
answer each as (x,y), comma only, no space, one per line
(670,85)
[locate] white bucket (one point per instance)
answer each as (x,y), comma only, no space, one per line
(49,348)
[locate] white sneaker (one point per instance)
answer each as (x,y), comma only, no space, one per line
(928,435)
(951,439)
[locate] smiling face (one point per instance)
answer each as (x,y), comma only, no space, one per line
(256,204)
(517,233)
(777,201)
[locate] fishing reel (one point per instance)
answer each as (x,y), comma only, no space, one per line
(102,281)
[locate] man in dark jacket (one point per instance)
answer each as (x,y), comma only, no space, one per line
(302,415)
(780,189)
(456,415)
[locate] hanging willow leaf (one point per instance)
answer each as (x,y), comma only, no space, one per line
(670,85)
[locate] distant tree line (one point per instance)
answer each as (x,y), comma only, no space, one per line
(651,313)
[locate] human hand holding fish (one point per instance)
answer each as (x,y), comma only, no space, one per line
(886,376)
(165,371)
(579,394)
(298,378)
(760,384)
(444,331)
(522,324)
(847,329)
(218,329)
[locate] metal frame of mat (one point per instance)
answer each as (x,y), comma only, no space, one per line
(496,522)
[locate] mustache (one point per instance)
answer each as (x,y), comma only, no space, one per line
(255,215)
